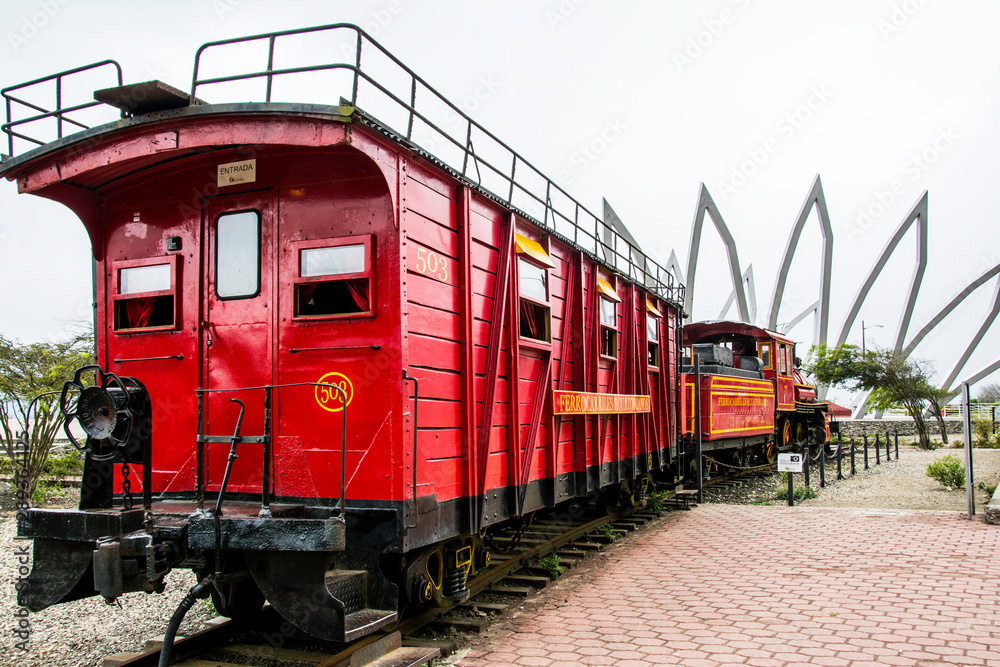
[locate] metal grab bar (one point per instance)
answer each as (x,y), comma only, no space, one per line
(416,402)
(266,439)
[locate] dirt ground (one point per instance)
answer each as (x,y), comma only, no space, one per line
(904,484)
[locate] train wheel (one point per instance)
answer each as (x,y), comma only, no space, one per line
(484,556)
(785,433)
(608,499)
(800,431)
(741,457)
(770,451)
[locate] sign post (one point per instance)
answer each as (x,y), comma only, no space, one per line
(970,499)
(790,463)
(697,426)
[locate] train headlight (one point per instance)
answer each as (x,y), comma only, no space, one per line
(97,412)
(113,411)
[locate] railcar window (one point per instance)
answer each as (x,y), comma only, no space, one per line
(237,255)
(535,314)
(138,279)
(653,340)
(143,297)
(609,327)
(608,317)
(334,261)
(765,354)
(533,281)
(334,279)
(782,359)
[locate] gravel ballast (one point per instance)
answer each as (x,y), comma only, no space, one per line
(84,632)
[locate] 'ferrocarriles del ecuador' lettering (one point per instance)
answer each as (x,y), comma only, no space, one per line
(583,403)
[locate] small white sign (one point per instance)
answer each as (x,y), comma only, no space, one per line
(233,173)
(789,463)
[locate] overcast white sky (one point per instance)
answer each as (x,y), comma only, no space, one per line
(638,102)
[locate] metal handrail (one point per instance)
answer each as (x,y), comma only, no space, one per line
(59,112)
(267,438)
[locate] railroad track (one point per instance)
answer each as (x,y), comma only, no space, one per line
(512,575)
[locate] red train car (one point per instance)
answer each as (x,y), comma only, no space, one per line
(400,358)
(753,400)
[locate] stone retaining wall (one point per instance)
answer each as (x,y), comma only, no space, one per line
(992,512)
(858,427)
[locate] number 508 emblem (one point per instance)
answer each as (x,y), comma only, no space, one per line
(331,399)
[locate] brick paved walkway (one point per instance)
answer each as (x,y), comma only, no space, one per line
(747,585)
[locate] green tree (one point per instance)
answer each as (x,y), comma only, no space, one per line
(889,377)
(25,372)
(937,398)
(989,393)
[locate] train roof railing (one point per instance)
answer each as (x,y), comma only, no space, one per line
(469,151)
(61,115)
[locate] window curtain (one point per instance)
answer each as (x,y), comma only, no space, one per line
(139,311)
(359,292)
(529,319)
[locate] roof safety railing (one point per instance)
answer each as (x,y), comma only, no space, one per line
(598,238)
(59,112)
(522,186)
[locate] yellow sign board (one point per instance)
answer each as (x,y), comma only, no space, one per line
(584,403)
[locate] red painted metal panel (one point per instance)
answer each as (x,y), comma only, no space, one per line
(785,392)
(733,407)
(136,228)
(341,349)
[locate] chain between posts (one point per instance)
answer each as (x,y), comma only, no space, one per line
(841,449)
(709,459)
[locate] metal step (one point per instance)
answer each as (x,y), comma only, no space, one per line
(348,586)
(366,621)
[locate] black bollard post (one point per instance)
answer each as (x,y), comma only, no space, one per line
(887,443)
(791,490)
(853,468)
(840,457)
(896,432)
(805,462)
(878,449)
(866,451)
(822,466)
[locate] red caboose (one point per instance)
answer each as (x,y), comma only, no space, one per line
(753,398)
(399,357)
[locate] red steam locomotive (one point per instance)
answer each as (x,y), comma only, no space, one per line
(752,398)
(328,361)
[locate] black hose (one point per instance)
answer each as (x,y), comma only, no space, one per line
(199,590)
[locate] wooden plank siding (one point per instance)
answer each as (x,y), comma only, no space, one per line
(485,417)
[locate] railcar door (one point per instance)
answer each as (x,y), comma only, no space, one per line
(236,330)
